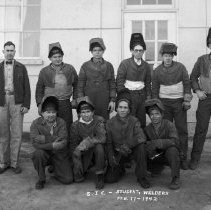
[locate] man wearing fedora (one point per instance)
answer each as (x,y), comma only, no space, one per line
(60,79)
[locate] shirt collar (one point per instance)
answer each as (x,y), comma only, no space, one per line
(82,121)
(97,61)
(138,62)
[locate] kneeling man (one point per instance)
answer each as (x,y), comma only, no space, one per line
(49,138)
(162,143)
(125,141)
(87,136)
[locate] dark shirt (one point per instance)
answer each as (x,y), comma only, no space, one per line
(22,92)
(98,77)
(130,70)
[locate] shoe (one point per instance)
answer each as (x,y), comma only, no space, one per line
(17,170)
(144,183)
(193,164)
(40,185)
(184,165)
(2,170)
(175,183)
(100,182)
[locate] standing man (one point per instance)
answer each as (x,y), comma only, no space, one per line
(60,79)
(171,84)
(96,80)
(134,74)
(125,141)
(201,85)
(15,98)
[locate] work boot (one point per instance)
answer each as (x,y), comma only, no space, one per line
(100,181)
(193,164)
(40,185)
(144,183)
(175,183)
(2,170)
(184,165)
(17,170)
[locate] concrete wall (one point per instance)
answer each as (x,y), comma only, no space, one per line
(74,23)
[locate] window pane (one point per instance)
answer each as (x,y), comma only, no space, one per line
(133,2)
(13,2)
(150,30)
(164,1)
(2,2)
(2,18)
(162,29)
(31,18)
(150,52)
(31,2)
(31,44)
(12,22)
(159,55)
(149,2)
(16,39)
(136,26)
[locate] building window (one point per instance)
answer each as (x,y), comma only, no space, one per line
(155,33)
(157,28)
(149,2)
(20,23)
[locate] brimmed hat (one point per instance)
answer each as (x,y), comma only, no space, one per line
(170,48)
(137,39)
(209,37)
(96,42)
(84,103)
(50,101)
(55,48)
(151,104)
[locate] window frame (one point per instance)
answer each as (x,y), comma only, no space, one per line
(150,6)
(20,30)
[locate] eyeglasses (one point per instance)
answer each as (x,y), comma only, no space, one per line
(136,51)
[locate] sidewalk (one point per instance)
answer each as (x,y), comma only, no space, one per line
(17,191)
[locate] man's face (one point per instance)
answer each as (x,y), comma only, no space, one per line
(57,59)
(49,114)
(86,115)
(138,52)
(155,116)
(97,52)
(167,59)
(123,109)
(9,52)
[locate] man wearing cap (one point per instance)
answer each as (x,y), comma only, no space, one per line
(60,79)
(49,137)
(96,80)
(201,85)
(15,98)
(171,84)
(87,136)
(134,74)
(125,141)
(162,143)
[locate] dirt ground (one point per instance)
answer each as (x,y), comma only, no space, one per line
(17,191)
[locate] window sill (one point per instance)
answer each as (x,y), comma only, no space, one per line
(28,61)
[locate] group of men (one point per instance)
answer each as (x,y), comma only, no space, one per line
(108,146)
